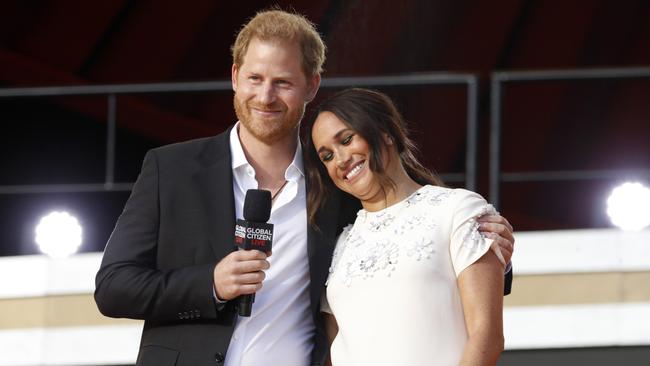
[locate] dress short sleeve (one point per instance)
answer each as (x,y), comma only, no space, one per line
(467,243)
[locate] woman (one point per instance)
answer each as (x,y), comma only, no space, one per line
(412,282)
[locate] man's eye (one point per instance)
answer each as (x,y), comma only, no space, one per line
(347,139)
(326,157)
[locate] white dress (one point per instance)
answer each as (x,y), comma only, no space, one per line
(393,281)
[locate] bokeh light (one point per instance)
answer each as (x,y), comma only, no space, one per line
(628,206)
(58,234)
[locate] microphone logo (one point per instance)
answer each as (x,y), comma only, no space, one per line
(253,235)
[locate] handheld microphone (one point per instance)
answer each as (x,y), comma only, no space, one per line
(253,232)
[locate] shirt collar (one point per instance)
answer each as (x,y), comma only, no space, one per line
(236,150)
(293,172)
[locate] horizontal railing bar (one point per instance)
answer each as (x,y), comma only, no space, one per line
(116,89)
(563,175)
(65,188)
(226,85)
(120,187)
(398,80)
(452,177)
(556,75)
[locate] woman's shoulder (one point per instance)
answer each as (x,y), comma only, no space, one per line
(436,198)
(456,194)
(435,195)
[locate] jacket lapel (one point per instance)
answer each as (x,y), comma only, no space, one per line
(320,245)
(215,182)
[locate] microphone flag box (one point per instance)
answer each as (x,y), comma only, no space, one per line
(253,235)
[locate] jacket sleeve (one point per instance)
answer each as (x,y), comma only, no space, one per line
(507,283)
(129,283)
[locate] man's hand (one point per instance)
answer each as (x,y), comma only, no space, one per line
(496,227)
(240,273)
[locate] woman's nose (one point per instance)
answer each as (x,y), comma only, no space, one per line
(342,158)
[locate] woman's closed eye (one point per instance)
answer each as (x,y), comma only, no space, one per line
(347,139)
(327,156)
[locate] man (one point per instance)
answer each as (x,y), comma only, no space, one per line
(170,259)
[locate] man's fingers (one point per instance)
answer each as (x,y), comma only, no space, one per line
(250,266)
(507,223)
(247,255)
(251,278)
(493,228)
(496,219)
(506,246)
(249,289)
(240,272)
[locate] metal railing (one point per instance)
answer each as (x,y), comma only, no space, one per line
(497,176)
(498,80)
(112,91)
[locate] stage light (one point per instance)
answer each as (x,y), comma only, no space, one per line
(628,206)
(58,234)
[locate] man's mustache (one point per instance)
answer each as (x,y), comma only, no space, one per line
(266,108)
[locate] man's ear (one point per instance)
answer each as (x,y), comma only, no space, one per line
(312,84)
(233,76)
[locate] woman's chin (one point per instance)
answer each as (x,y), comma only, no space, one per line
(359,190)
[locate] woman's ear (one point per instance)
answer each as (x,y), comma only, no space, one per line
(387,139)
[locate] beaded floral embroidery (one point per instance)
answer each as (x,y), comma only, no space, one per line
(363,259)
(473,240)
(393,235)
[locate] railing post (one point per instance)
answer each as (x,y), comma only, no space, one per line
(495,139)
(111,126)
(471,165)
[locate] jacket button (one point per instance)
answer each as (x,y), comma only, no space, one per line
(218,357)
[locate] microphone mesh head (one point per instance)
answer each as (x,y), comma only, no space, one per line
(257,205)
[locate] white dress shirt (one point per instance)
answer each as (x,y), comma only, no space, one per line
(280,329)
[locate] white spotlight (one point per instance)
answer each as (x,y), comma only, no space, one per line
(58,234)
(628,206)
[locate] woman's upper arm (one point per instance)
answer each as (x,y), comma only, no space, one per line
(331,326)
(481,291)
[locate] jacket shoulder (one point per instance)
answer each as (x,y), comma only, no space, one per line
(206,149)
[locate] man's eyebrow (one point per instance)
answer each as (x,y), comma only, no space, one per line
(336,136)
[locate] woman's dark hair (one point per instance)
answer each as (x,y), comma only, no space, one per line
(370,114)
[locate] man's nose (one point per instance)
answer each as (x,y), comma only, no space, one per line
(266,94)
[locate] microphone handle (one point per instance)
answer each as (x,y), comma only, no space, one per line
(246,304)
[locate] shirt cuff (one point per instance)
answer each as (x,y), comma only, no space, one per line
(220,303)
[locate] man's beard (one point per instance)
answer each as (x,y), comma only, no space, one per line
(268,130)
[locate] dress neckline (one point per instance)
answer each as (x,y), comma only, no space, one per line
(365,213)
